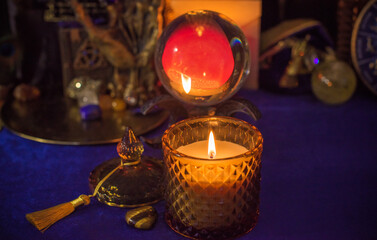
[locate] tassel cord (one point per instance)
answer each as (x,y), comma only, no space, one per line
(43,219)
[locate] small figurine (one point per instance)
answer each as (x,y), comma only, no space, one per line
(85,90)
(332,81)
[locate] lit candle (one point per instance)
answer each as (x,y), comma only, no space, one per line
(222,149)
(212,180)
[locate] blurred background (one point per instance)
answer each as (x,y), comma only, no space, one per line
(41,62)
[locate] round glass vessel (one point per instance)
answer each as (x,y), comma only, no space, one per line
(132,180)
(212,198)
(202,58)
(333,82)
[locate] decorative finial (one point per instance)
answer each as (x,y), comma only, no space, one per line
(130,148)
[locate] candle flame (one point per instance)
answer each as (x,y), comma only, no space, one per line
(211,146)
(186,83)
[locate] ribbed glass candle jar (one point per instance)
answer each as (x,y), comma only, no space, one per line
(212,198)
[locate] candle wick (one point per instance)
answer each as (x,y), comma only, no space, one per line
(212,155)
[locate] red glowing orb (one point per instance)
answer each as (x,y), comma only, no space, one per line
(200,52)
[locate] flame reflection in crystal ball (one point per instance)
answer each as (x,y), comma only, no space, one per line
(202,58)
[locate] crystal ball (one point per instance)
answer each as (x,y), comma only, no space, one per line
(202,58)
(333,82)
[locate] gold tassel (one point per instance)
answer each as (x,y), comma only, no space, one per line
(43,219)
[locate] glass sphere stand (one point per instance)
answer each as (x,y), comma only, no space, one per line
(178,111)
(202,59)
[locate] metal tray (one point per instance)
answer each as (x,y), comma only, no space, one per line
(58,121)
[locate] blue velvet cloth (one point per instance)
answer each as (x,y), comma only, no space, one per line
(319,177)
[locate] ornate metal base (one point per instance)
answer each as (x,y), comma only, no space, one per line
(131,186)
(58,121)
(179,111)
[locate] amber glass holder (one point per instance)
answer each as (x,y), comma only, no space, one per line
(212,198)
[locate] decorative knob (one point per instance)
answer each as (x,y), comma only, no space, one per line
(130,148)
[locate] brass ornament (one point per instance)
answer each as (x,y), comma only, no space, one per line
(88,57)
(128,43)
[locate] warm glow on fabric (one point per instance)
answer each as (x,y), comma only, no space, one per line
(201,53)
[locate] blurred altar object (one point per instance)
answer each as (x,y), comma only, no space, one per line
(347,12)
(289,52)
(81,58)
(115,44)
(10,57)
(128,44)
